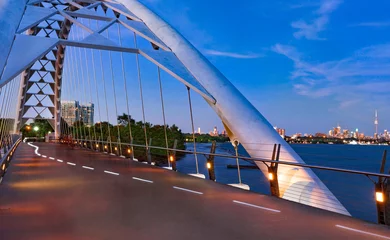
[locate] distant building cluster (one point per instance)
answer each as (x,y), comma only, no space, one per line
(73,111)
(214,132)
(281,131)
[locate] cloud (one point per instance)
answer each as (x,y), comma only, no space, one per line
(372,24)
(232,55)
(311,29)
(360,76)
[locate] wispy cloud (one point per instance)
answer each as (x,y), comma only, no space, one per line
(232,55)
(363,74)
(311,29)
(372,24)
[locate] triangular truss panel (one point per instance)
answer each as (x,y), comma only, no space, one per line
(22,47)
(50,26)
(33,16)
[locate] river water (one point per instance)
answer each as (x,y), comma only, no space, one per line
(355,192)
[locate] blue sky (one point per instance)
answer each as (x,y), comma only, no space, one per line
(306,65)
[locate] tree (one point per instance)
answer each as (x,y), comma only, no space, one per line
(124,119)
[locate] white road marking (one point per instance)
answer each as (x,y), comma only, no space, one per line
(59,160)
(44,156)
(51,158)
(113,173)
(70,163)
(187,190)
(363,232)
(88,168)
(255,206)
(142,180)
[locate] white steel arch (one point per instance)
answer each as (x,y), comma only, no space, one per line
(183,61)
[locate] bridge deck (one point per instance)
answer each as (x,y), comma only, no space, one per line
(41,198)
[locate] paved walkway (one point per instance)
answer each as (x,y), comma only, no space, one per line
(79,194)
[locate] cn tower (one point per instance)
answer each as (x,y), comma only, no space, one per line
(376,124)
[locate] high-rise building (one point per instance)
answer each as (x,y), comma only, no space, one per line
(72,112)
(199,130)
(87,113)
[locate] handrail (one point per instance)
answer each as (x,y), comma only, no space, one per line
(253,159)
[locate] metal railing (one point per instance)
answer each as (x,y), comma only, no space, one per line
(214,165)
(7,153)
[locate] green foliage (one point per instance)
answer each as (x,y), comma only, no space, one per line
(102,131)
(205,138)
(43,126)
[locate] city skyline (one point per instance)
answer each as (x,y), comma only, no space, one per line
(317,69)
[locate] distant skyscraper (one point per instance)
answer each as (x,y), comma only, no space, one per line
(199,130)
(87,113)
(72,111)
(376,124)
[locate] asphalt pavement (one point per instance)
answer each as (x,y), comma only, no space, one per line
(55,192)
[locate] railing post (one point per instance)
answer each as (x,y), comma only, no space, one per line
(273,172)
(172,156)
(382,192)
(149,155)
(210,162)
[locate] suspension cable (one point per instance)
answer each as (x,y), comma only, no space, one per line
(73,86)
(105,98)
(85,91)
(141,94)
(127,97)
(113,87)
(163,113)
(81,87)
(97,92)
(193,129)
(90,89)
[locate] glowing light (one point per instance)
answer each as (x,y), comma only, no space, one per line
(105,147)
(171,158)
(28,127)
(97,145)
(208,165)
(379,197)
(271,176)
(3,167)
(129,150)
(116,148)
(36,128)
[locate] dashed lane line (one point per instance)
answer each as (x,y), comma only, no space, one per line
(255,206)
(113,173)
(142,180)
(187,190)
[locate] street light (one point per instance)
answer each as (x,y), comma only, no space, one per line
(36,128)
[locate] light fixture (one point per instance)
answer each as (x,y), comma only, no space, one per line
(97,145)
(3,168)
(36,128)
(105,147)
(116,148)
(129,150)
(208,165)
(379,197)
(171,158)
(270,176)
